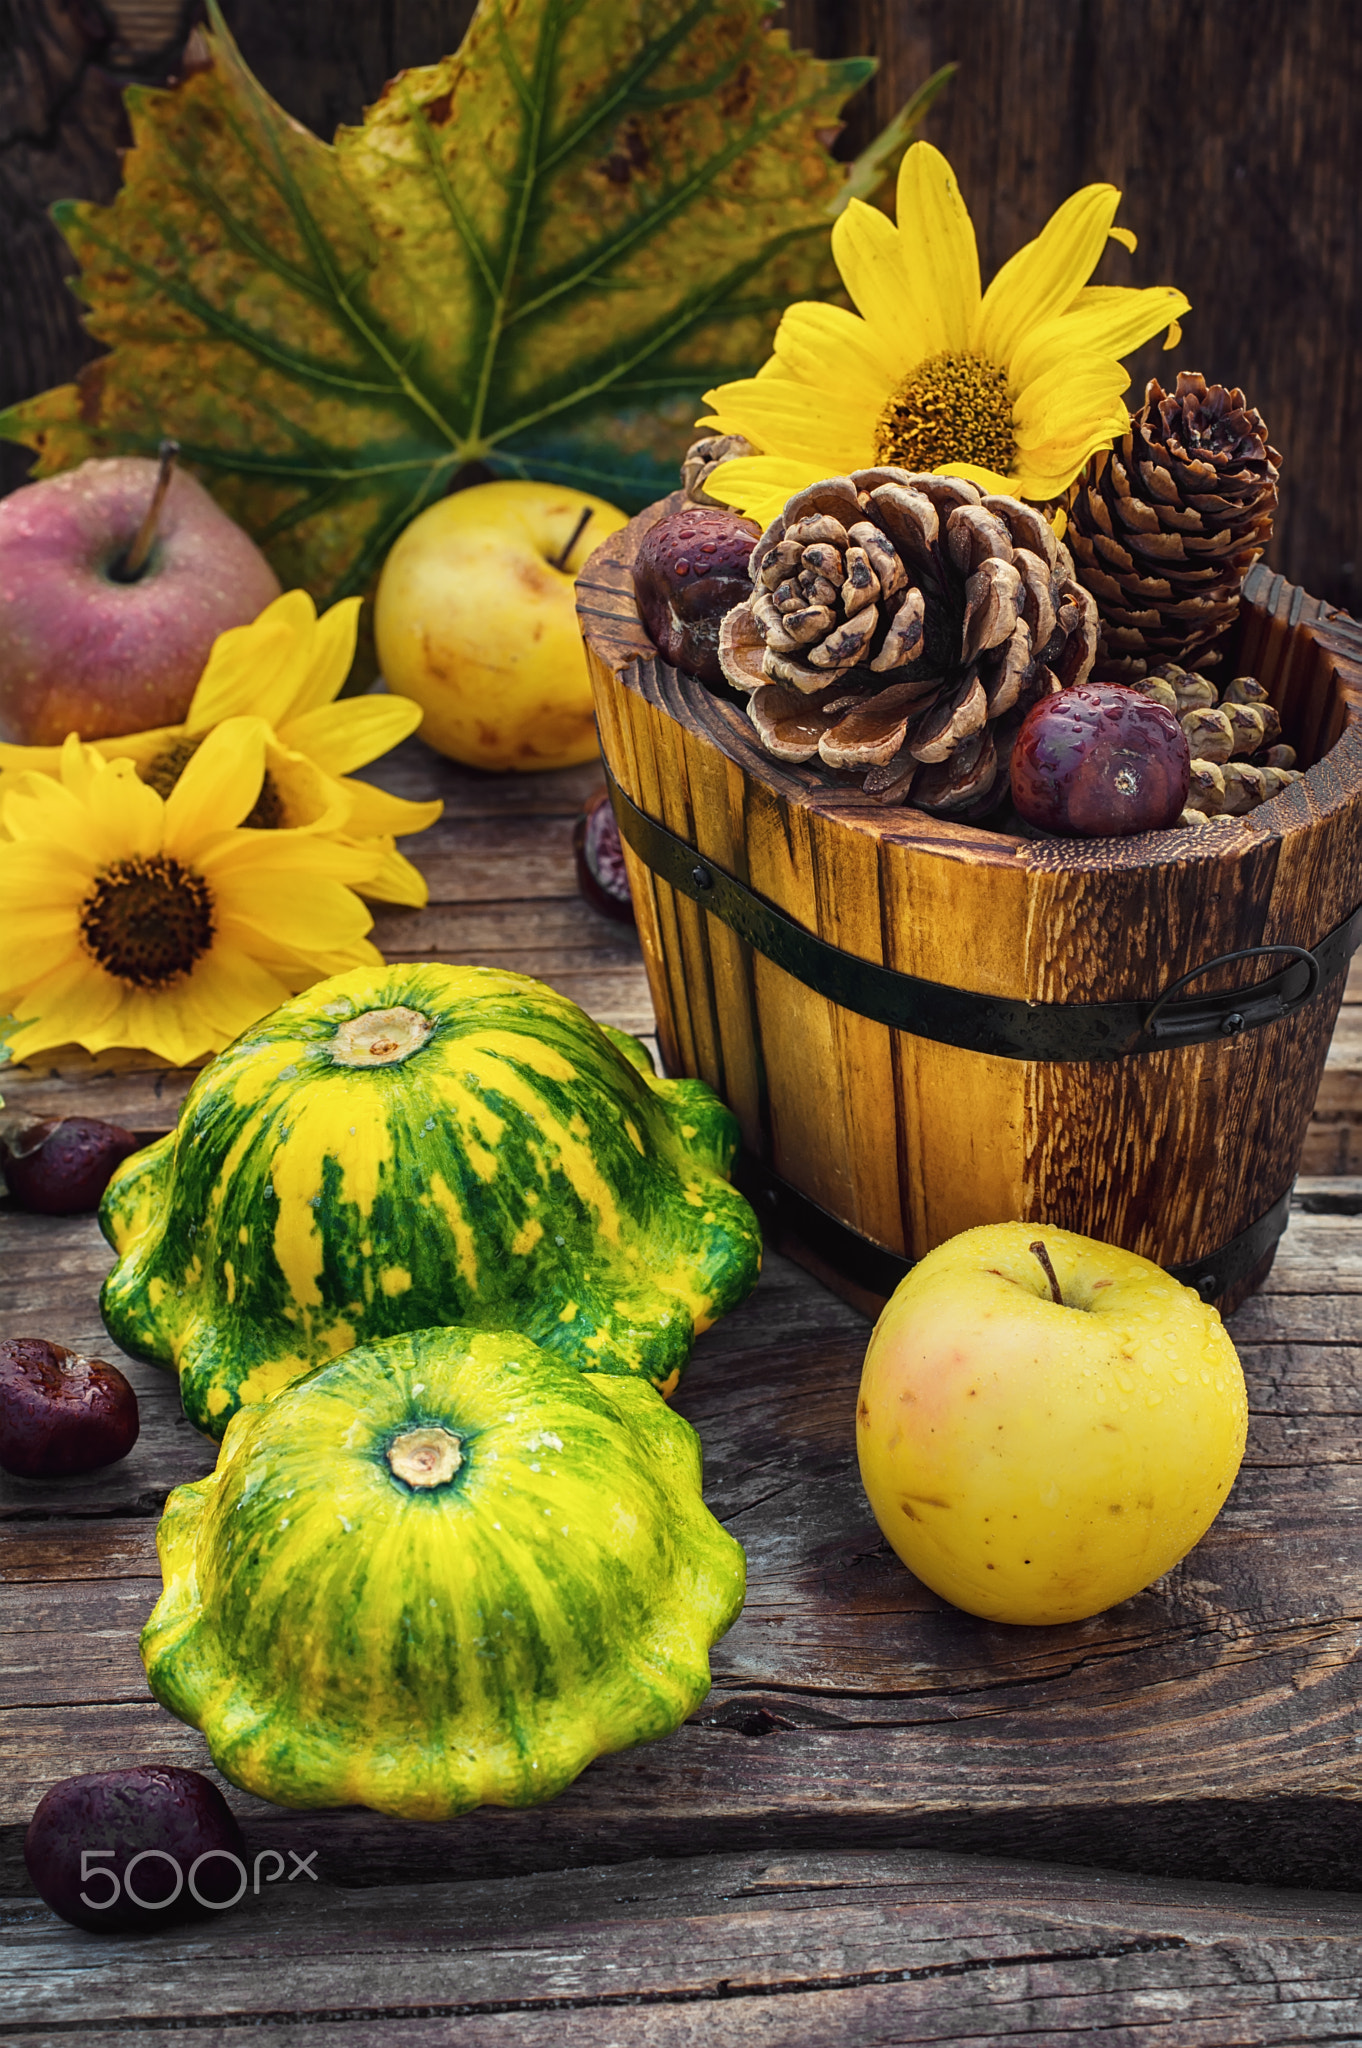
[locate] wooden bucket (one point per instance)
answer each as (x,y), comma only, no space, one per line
(921,1025)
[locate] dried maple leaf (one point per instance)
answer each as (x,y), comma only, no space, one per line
(534,255)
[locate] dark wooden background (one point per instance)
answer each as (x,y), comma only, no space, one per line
(1225,122)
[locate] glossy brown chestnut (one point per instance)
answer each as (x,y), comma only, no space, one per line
(120,1852)
(1100,761)
(692,569)
(62,1165)
(61,1414)
(601,874)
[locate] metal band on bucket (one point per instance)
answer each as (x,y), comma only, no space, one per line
(879,1271)
(1002,1025)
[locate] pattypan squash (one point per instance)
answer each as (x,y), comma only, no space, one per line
(418,1145)
(444,1570)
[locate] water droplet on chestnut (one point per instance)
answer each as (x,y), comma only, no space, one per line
(61,1166)
(1100,761)
(122,1852)
(60,1413)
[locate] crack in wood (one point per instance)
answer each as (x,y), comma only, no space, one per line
(701,1994)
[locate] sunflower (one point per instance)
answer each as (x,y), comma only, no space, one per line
(1013,388)
(132,919)
(286,668)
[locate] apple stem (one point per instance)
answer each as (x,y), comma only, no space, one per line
(1039,1249)
(561,561)
(133,563)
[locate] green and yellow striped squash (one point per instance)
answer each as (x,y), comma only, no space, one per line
(443,1571)
(411,1146)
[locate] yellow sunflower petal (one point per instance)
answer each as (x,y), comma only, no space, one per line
(1042,279)
(760,485)
(938,252)
(311,800)
(46,813)
(36,955)
(255,866)
(869,254)
(219,786)
(141,748)
(331,659)
(163,1021)
(860,398)
(231,990)
(65,1006)
(127,817)
(257,668)
(1062,403)
(339,737)
(373,813)
(395,880)
(805,422)
(830,334)
(311,906)
(17,760)
(1108,320)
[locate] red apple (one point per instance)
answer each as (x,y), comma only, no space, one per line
(82,651)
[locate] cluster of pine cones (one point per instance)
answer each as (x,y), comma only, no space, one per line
(900,628)
(1234,737)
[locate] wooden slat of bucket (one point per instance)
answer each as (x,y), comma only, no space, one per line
(909,1141)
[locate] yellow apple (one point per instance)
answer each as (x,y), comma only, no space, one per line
(1034,1459)
(476,619)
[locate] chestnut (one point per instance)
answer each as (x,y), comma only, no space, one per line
(1100,761)
(61,1166)
(601,874)
(61,1414)
(690,571)
(120,1852)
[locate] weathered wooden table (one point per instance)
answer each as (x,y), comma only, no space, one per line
(832,1848)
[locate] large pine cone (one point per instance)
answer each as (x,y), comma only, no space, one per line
(1165,524)
(901,627)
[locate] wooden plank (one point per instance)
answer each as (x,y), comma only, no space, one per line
(1207,1727)
(756,1951)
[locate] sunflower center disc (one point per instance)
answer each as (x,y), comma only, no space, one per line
(164,770)
(954,408)
(377,1038)
(146,920)
(425,1458)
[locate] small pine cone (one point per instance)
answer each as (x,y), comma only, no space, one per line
(1233,736)
(702,458)
(1164,525)
(899,629)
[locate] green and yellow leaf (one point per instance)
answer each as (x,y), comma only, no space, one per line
(534,255)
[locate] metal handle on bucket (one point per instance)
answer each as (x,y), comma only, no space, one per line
(1238,1009)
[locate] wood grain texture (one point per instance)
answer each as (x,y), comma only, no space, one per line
(1209,1727)
(873,1948)
(1127,1150)
(1232,135)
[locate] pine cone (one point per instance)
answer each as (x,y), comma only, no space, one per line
(702,458)
(1164,525)
(900,627)
(1234,739)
